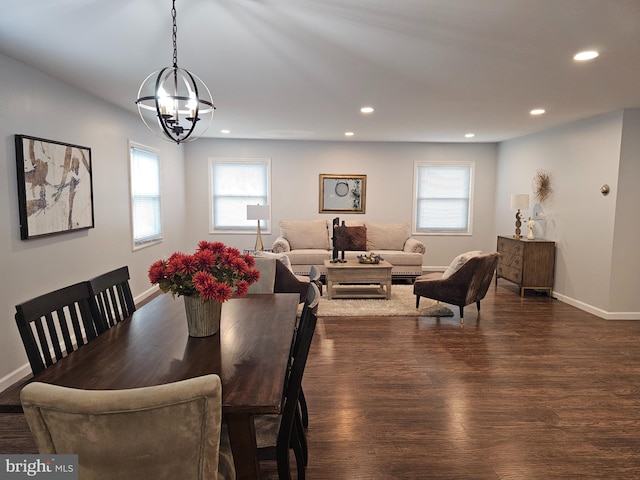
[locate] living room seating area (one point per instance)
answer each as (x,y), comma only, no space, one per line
(309,243)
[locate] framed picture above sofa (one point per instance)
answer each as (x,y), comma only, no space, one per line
(342,193)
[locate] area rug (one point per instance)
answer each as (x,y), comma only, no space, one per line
(401,304)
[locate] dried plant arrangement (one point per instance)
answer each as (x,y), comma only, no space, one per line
(541,185)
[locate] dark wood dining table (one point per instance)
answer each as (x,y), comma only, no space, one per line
(250,353)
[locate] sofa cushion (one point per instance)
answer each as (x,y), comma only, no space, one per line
(308,256)
(459,261)
(353,238)
(387,236)
(305,234)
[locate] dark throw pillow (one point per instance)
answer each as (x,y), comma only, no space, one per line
(353,239)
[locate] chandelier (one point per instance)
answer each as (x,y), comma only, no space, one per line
(174,103)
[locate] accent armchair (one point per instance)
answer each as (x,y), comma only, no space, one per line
(466,285)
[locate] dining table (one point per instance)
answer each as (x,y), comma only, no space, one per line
(250,353)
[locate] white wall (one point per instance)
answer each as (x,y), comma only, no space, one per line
(32,103)
(625,268)
(296,166)
(581,157)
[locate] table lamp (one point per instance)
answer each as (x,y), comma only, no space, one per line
(519,202)
(258,212)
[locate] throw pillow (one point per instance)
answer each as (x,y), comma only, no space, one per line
(459,261)
(305,234)
(353,239)
(386,236)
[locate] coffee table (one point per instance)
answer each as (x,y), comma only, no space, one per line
(358,280)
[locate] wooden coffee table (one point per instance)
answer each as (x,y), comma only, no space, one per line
(358,280)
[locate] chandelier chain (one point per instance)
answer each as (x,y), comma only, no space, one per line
(175,35)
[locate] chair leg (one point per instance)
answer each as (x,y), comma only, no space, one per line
(303,409)
(417,301)
(461,314)
(478,305)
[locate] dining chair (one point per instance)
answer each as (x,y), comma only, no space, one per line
(69,312)
(276,435)
(311,302)
(169,431)
(113,296)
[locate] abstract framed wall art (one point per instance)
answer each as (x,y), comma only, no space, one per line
(342,193)
(55,187)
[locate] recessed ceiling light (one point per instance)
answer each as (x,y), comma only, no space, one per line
(469,135)
(225,131)
(367,110)
(586,55)
(537,111)
(348,134)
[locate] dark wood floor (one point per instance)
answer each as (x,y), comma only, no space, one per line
(532,389)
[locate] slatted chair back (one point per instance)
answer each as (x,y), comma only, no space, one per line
(113,296)
(57,323)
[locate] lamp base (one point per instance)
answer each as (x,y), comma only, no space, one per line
(259,247)
(517,235)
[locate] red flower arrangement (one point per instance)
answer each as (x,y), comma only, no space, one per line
(213,272)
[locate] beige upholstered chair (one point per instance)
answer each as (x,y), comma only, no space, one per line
(167,431)
(465,281)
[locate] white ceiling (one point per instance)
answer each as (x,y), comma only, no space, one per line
(301,69)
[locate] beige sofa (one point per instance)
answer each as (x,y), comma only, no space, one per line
(308,243)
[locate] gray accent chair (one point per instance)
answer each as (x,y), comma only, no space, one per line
(467,285)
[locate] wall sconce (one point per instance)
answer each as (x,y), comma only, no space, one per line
(258,212)
(519,202)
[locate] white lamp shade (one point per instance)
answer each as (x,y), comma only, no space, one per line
(257,212)
(520,201)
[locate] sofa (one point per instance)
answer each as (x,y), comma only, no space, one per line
(309,243)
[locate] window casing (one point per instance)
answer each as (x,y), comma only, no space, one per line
(443,194)
(146,213)
(234,184)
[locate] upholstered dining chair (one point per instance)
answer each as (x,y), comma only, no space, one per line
(468,282)
(69,312)
(113,296)
(169,431)
(276,435)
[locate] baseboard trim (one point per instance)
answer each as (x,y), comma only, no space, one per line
(598,312)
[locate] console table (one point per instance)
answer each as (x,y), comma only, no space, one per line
(527,263)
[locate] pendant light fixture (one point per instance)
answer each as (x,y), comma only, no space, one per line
(175,104)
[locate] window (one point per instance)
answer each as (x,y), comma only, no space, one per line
(146,216)
(234,184)
(444,198)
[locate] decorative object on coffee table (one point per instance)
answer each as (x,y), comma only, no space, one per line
(258,212)
(212,275)
(370,258)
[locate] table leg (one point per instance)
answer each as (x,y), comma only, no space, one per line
(242,436)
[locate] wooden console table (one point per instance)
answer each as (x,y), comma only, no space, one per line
(353,279)
(527,263)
